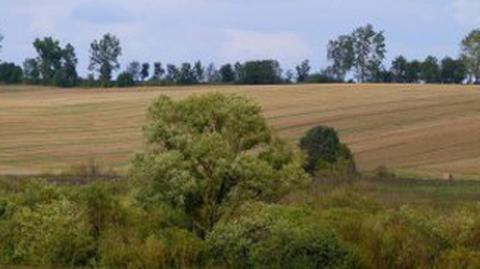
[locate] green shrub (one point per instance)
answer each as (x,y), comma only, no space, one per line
(55,233)
(170,248)
(277,237)
(325,153)
(125,79)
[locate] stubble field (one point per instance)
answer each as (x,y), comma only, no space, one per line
(417,130)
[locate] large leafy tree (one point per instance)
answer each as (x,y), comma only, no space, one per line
(363,50)
(340,53)
(50,55)
(471,54)
(209,154)
(453,71)
(369,50)
(54,64)
(104,55)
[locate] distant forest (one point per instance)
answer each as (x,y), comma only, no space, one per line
(355,57)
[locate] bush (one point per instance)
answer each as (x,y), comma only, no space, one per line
(170,248)
(125,79)
(52,234)
(277,237)
(325,152)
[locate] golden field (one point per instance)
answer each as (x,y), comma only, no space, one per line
(418,130)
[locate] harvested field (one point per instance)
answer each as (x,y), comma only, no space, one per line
(419,130)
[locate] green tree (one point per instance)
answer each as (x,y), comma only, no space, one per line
(187,75)
(323,145)
(10,73)
(369,51)
(125,79)
(31,70)
(430,72)
(172,73)
(262,72)
(56,65)
(303,70)
(104,55)
(199,72)
(67,75)
(135,69)
(227,73)
(209,154)
(341,53)
(158,71)
(453,71)
(413,73)
(49,58)
(470,48)
(399,69)
(363,50)
(145,71)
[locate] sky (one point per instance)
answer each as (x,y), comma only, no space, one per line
(220,31)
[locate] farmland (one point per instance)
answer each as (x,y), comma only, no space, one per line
(417,130)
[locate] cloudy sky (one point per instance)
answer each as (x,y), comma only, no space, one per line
(229,30)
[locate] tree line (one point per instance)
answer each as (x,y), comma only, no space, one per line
(355,57)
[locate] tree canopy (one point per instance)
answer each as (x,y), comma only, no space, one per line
(104,55)
(209,154)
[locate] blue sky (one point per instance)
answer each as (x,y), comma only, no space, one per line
(228,30)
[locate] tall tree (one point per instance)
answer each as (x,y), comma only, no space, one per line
(227,73)
(104,55)
(135,69)
(414,69)
(340,52)
(31,70)
(145,71)
(399,69)
(369,52)
(430,70)
(470,48)
(453,71)
(187,75)
(172,73)
(303,70)
(68,75)
(199,71)
(158,71)
(56,65)
(49,58)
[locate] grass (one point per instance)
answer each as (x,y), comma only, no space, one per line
(416,130)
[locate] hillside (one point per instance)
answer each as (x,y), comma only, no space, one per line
(419,130)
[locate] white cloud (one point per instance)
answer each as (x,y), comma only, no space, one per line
(286,47)
(467,12)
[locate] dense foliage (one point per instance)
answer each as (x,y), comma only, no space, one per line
(211,153)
